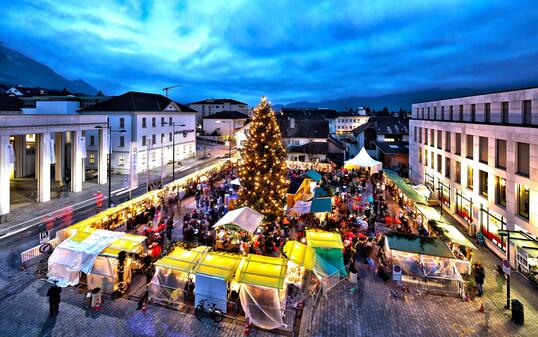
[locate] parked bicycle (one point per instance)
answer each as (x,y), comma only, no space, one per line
(213,311)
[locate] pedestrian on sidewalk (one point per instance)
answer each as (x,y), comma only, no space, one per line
(54,299)
(499,278)
(479,276)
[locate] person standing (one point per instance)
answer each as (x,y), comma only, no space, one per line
(479,276)
(499,278)
(54,299)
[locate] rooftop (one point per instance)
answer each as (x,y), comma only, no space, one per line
(136,101)
(310,148)
(392,147)
(385,125)
(218,101)
(307,113)
(304,128)
(227,115)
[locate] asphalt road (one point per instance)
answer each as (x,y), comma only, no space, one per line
(30,237)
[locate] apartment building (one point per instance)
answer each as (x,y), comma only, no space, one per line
(210,106)
(479,155)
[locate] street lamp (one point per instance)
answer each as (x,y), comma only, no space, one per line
(109,168)
(174,147)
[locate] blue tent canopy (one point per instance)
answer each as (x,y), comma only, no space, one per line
(312,175)
(321,205)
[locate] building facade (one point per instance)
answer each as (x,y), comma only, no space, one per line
(210,106)
(224,123)
(346,122)
(479,155)
(152,125)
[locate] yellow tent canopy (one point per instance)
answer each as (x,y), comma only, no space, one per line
(217,264)
(300,253)
(129,243)
(181,259)
(323,239)
(262,271)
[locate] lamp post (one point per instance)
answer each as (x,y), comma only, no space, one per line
(109,166)
(174,147)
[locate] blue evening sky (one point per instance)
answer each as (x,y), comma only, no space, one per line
(288,50)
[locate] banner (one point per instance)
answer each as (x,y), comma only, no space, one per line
(82,144)
(52,152)
(10,154)
(133,179)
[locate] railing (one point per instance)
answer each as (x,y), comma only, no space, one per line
(32,255)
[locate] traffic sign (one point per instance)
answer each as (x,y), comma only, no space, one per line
(44,237)
(506,267)
(396,273)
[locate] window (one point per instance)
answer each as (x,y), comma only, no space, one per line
(143,140)
(170,137)
(121,160)
(415,134)
(162,138)
(417,113)
(420,135)
(447,141)
(447,167)
(458,143)
(445,193)
(527,112)
(523,201)
(432,137)
(420,155)
(483,183)
(483,150)
(523,159)
(428,112)
(458,172)
(153,156)
(439,163)
(122,141)
(504,112)
(460,117)
(425,136)
(144,122)
(470,180)
(439,139)
(443,113)
(490,225)
(92,158)
(434,112)
(487,112)
(170,122)
(122,122)
(469,147)
(92,140)
(153,122)
(425,157)
(464,207)
(451,113)
(500,191)
(153,140)
(433,159)
(422,113)
(473,112)
(500,153)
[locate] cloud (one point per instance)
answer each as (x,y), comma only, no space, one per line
(287,50)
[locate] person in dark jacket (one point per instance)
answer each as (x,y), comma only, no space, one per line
(479,276)
(54,300)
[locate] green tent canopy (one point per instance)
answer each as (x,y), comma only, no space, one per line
(414,244)
(407,189)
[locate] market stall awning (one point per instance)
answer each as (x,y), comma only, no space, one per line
(363,159)
(312,175)
(181,259)
(221,265)
(523,241)
(322,239)
(321,192)
(262,271)
(321,205)
(404,187)
(129,243)
(429,213)
(300,253)
(414,244)
(455,235)
(422,190)
(244,217)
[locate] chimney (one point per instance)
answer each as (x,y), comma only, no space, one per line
(292,123)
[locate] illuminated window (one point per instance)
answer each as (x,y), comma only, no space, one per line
(500,191)
(483,183)
(121,160)
(470,180)
(92,158)
(523,201)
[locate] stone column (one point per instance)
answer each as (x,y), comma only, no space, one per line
(20,156)
(5,168)
(43,166)
(76,161)
(59,148)
(102,152)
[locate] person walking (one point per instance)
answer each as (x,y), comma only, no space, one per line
(479,276)
(54,299)
(499,278)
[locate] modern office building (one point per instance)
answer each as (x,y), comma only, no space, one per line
(479,155)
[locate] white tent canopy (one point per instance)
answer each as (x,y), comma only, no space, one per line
(363,159)
(244,217)
(235,182)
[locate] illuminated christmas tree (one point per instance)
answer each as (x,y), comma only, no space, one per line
(263,170)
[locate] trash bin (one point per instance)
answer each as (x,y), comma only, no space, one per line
(517,312)
(96,297)
(88,299)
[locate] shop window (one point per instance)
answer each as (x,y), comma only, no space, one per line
(447,167)
(500,191)
(523,159)
(92,158)
(444,193)
(464,207)
(439,139)
(483,183)
(490,225)
(448,142)
(487,112)
(483,150)
(500,153)
(469,147)
(523,201)
(458,172)
(458,143)
(470,180)
(439,163)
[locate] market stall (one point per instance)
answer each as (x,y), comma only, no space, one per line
(329,256)
(262,292)
(236,227)
(426,262)
(363,161)
(212,276)
(173,280)
(460,246)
